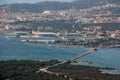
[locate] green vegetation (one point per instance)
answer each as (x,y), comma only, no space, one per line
(78,72)
(55,26)
(62,25)
(26,70)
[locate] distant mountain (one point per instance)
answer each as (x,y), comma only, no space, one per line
(38,7)
(42,6)
(90,3)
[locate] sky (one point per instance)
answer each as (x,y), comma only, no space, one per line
(28,1)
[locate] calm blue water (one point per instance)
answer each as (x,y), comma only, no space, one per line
(10,49)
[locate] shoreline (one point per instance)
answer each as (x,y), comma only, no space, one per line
(27,70)
(103,70)
(63,45)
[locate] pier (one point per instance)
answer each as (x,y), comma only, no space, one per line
(37,41)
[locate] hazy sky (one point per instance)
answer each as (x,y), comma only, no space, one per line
(28,1)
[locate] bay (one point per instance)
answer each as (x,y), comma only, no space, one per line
(11,49)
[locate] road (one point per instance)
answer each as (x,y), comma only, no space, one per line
(65,61)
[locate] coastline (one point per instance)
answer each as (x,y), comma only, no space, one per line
(102,70)
(26,70)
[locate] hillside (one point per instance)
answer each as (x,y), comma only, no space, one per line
(42,6)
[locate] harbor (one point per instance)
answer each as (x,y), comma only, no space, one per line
(10,49)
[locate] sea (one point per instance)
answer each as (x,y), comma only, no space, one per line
(12,49)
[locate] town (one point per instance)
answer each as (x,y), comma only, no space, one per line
(60,40)
(82,27)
